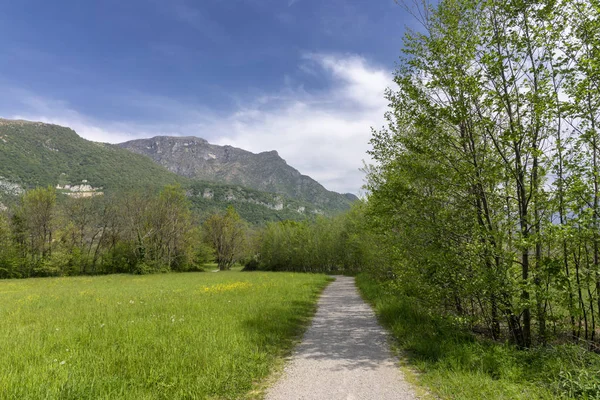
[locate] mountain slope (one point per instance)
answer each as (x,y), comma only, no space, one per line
(193,157)
(253,205)
(34,154)
(39,154)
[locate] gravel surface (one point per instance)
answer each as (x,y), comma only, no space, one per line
(343,355)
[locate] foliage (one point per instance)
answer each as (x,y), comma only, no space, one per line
(37,215)
(8,252)
(337,244)
(192,335)
(454,363)
(226,232)
(135,232)
(485,183)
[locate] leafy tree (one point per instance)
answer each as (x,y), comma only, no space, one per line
(37,213)
(8,254)
(337,244)
(460,183)
(172,242)
(226,232)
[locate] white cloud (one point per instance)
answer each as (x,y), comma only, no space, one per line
(36,108)
(323,133)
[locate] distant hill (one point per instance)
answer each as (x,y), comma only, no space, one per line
(39,154)
(36,154)
(253,205)
(194,157)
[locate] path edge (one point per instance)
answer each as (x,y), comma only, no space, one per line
(260,388)
(409,372)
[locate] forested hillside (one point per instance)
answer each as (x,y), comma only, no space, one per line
(35,154)
(69,206)
(38,154)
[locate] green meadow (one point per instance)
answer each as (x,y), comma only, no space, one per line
(171,336)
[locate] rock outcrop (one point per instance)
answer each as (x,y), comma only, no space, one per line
(194,157)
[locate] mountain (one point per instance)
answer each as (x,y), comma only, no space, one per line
(40,154)
(253,205)
(194,157)
(34,154)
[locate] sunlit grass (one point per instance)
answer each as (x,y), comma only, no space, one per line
(194,335)
(454,364)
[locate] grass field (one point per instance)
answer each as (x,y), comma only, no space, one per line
(454,364)
(173,336)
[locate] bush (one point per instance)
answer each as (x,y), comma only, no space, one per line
(251,265)
(581,384)
(455,363)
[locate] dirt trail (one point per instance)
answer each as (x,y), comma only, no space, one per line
(343,355)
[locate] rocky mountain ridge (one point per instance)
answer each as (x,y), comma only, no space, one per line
(196,158)
(34,154)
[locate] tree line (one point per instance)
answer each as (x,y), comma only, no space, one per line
(137,232)
(339,244)
(486,178)
(49,234)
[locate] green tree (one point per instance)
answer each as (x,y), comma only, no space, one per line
(37,212)
(226,232)
(8,253)
(172,241)
(462,166)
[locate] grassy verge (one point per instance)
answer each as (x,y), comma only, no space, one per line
(454,364)
(192,335)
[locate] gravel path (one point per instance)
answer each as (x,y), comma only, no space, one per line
(343,355)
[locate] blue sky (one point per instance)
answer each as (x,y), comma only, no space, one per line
(303,77)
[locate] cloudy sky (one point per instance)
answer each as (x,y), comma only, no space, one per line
(303,77)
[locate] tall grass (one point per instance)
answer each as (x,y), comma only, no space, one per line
(454,364)
(174,336)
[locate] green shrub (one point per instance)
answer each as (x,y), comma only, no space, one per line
(455,363)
